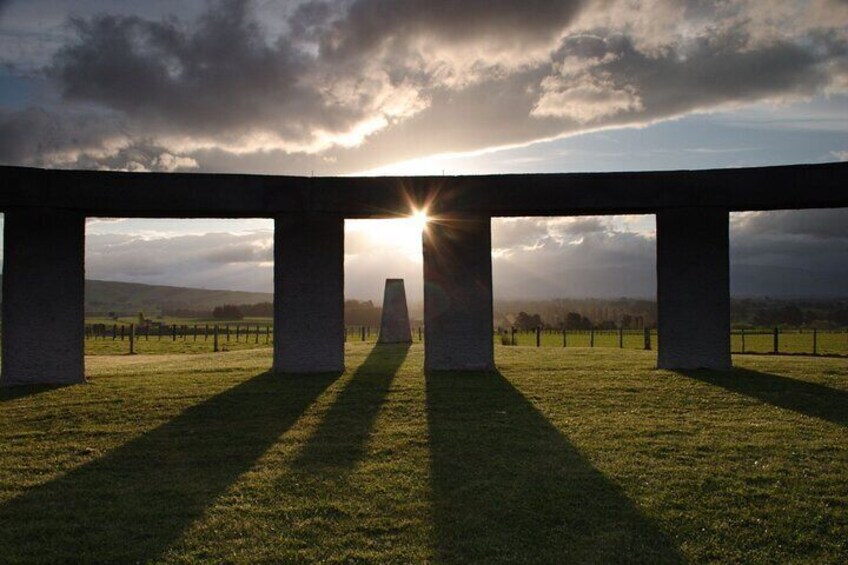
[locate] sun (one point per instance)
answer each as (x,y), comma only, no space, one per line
(419,219)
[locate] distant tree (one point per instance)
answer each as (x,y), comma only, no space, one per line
(527,322)
(227,312)
(574,321)
(260,309)
(362,313)
(840,317)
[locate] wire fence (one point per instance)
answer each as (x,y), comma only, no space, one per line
(775,341)
(111,339)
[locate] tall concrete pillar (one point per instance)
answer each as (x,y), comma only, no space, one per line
(308,293)
(43,297)
(394,322)
(693,289)
(458,295)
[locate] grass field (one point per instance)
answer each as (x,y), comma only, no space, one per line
(577,455)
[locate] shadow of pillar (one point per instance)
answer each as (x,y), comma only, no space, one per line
(340,440)
(803,397)
(131,504)
(507,486)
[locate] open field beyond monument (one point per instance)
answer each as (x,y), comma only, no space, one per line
(575,455)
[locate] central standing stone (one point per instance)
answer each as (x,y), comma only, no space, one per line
(394,324)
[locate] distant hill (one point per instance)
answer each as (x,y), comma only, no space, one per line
(129,298)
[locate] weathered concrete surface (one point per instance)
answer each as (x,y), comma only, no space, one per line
(308,293)
(458,295)
(693,289)
(43,289)
(394,322)
(219,195)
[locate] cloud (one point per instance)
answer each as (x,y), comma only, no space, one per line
(213,260)
(776,253)
(349,86)
(815,224)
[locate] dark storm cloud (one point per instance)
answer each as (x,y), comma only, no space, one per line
(215,76)
(368,24)
(347,86)
(38,136)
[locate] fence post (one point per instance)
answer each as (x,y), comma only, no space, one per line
(564,337)
(647,339)
(513,335)
(743,340)
(257,335)
(776,344)
(538,336)
(132,339)
(215,339)
(114,332)
(195,332)
(122,332)
(621,338)
(173,332)
(815,342)
(592,337)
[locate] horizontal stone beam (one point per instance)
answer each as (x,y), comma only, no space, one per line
(101,193)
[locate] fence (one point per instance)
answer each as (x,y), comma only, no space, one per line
(811,341)
(196,338)
(548,337)
(182,338)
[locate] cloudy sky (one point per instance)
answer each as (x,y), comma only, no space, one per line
(431,87)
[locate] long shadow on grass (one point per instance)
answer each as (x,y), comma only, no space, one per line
(509,487)
(809,399)
(131,504)
(22,391)
(340,440)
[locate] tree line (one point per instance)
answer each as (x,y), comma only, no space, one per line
(356,312)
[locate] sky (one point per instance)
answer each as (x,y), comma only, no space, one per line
(370,87)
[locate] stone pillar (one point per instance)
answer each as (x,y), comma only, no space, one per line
(43,297)
(693,289)
(458,295)
(308,293)
(394,323)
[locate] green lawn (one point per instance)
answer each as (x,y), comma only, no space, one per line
(565,455)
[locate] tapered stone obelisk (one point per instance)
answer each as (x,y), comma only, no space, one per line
(394,325)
